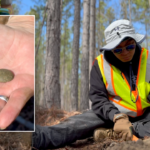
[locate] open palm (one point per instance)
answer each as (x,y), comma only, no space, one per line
(17,55)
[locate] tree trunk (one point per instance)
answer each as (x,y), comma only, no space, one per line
(41,83)
(52,85)
(63,69)
(84,99)
(124,9)
(92,37)
(92,33)
(75,54)
(149,3)
(130,9)
(146,33)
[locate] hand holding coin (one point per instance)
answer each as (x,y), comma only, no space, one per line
(16,57)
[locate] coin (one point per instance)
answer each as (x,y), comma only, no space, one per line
(6,75)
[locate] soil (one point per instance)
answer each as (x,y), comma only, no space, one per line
(54,116)
(107,144)
(130,146)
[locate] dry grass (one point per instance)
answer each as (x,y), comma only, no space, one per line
(51,116)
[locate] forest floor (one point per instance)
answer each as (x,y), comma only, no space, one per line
(54,116)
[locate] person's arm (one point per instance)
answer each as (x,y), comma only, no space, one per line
(98,95)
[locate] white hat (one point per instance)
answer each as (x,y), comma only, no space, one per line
(117,31)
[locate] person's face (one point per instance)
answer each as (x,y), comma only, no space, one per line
(128,50)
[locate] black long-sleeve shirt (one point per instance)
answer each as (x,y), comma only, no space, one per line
(98,93)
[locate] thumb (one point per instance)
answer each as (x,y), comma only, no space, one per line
(23,23)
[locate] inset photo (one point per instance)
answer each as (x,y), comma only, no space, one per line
(17,73)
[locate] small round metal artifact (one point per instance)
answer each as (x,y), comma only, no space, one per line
(6,75)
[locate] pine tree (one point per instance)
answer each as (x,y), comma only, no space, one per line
(84,99)
(75,53)
(52,85)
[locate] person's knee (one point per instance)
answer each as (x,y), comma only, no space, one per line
(142,129)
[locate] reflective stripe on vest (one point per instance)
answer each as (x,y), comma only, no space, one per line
(119,89)
(148,67)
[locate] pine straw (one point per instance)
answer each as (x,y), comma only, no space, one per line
(8,142)
(51,116)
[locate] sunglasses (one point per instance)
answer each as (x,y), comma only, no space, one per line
(128,48)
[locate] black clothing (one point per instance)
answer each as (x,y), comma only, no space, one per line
(98,93)
(82,126)
(76,127)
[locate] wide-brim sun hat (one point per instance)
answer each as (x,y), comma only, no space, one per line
(117,31)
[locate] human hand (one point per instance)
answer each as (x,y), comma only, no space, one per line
(122,127)
(17,55)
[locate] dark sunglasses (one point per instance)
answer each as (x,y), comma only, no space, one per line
(128,48)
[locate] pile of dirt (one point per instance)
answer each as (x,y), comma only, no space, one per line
(130,145)
(107,144)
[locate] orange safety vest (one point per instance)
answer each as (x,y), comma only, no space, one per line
(119,89)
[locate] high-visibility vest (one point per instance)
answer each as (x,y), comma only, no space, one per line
(119,89)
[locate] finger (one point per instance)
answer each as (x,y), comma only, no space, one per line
(124,136)
(120,135)
(16,102)
(115,135)
(129,136)
(24,23)
(2,104)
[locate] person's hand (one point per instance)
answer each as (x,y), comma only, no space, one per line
(122,126)
(17,55)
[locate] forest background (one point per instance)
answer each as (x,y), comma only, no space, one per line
(71,91)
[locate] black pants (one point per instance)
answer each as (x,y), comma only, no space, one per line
(80,127)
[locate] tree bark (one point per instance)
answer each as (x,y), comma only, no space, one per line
(63,68)
(130,9)
(92,37)
(92,33)
(84,99)
(75,58)
(124,9)
(52,85)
